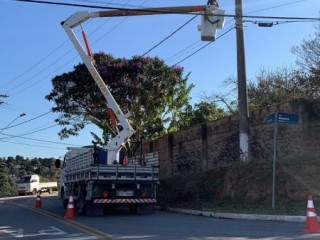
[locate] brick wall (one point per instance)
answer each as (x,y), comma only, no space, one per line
(216,143)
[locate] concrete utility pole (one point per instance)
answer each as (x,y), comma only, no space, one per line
(242,86)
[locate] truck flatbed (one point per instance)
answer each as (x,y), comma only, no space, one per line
(114,172)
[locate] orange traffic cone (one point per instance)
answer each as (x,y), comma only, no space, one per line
(38,203)
(312,225)
(70,213)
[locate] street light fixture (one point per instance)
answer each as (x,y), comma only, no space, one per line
(21,115)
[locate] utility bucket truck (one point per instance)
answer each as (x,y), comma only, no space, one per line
(95,176)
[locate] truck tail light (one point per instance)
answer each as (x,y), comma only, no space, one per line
(105,194)
(144,194)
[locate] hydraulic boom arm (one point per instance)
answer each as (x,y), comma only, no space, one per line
(116,143)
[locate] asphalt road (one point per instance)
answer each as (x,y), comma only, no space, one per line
(20,219)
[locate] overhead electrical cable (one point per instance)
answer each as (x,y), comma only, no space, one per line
(184,51)
(174,32)
(117,25)
(153,10)
(35,75)
(203,46)
(107,3)
(8,136)
(35,139)
(54,62)
(277,6)
(27,120)
(33,145)
(33,66)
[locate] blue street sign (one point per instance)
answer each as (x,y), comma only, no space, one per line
(271,118)
(288,118)
(283,118)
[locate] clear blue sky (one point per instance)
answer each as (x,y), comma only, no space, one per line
(35,48)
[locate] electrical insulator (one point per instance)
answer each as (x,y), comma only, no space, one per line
(211,20)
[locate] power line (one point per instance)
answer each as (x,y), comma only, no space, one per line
(117,25)
(277,6)
(112,29)
(168,12)
(107,3)
(9,136)
(174,32)
(271,24)
(32,145)
(33,66)
(203,47)
(162,11)
(162,40)
(27,121)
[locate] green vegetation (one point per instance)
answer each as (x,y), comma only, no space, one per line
(246,188)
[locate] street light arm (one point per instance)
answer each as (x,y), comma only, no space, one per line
(21,115)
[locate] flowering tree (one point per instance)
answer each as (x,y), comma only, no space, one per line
(146,87)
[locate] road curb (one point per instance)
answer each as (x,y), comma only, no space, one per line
(239,215)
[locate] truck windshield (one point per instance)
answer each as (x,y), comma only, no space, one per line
(24,180)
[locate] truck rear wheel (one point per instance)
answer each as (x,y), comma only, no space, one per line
(50,190)
(34,191)
(65,203)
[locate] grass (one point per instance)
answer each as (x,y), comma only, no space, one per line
(246,189)
(282,207)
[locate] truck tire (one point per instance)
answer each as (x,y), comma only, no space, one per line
(65,203)
(34,191)
(50,190)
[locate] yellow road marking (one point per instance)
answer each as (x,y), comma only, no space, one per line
(77,225)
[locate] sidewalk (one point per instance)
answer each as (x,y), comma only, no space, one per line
(240,215)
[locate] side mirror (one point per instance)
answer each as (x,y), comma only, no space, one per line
(57,163)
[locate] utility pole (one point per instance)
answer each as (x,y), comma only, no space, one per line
(242,86)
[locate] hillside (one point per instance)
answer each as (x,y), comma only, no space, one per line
(246,188)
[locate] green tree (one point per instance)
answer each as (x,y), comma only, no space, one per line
(146,87)
(7,186)
(206,111)
(308,59)
(269,87)
(201,112)
(274,87)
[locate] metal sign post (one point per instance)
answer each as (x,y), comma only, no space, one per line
(274,157)
(278,118)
